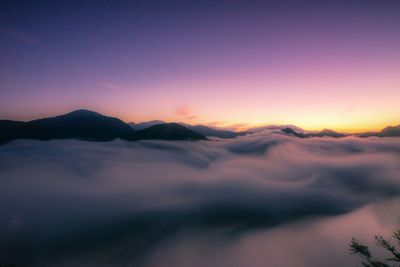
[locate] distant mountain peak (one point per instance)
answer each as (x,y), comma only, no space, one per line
(290,131)
(83,112)
(390,131)
(166,131)
(143,125)
(322,133)
(79,124)
(326,130)
(201,129)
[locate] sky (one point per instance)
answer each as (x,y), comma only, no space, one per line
(315,64)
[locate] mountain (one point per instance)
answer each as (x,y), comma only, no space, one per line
(390,131)
(10,130)
(323,133)
(290,131)
(208,131)
(143,125)
(327,133)
(79,124)
(201,129)
(165,131)
(93,126)
(367,134)
(271,128)
(89,125)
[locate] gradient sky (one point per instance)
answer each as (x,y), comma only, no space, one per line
(316,64)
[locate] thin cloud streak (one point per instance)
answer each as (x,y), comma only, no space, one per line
(186,112)
(112,86)
(183,110)
(19,35)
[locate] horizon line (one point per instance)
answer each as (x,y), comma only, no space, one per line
(228,127)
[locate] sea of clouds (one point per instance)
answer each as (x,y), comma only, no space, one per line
(260,200)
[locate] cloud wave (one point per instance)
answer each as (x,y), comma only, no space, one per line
(117,203)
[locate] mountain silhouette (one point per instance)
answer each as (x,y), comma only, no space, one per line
(79,124)
(165,131)
(143,125)
(390,131)
(201,129)
(208,131)
(92,126)
(326,133)
(290,131)
(10,130)
(271,128)
(323,133)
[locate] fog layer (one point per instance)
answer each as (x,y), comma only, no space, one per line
(261,200)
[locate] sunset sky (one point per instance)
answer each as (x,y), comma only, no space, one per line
(315,64)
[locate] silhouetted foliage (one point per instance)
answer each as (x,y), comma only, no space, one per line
(393,260)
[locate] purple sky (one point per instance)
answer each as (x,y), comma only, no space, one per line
(316,64)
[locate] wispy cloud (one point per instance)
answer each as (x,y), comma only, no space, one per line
(192,117)
(232,127)
(186,112)
(19,35)
(112,86)
(350,108)
(183,110)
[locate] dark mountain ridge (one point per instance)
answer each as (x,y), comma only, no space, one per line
(79,124)
(201,129)
(143,125)
(209,131)
(90,126)
(323,133)
(390,131)
(93,126)
(165,131)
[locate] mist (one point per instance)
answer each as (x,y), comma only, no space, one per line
(258,200)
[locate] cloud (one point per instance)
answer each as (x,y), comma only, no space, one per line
(112,86)
(20,36)
(150,203)
(192,117)
(350,108)
(230,127)
(238,126)
(185,111)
